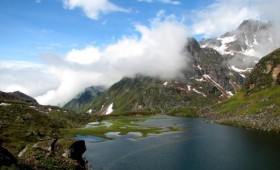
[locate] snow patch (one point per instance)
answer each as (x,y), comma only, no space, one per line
(201,79)
(229,93)
(199,92)
(199,67)
(109,109)
(89,111)
(238,69)
(189,88)
(223,47)
(242,75)
(165,83)
(5,104)
(215,83)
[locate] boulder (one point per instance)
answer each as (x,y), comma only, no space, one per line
(6,157)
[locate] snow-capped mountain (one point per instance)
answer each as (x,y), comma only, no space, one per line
(244,46)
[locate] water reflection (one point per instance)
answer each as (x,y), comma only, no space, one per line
(200,146)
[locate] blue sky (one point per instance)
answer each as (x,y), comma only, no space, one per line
(30,28)
(54,49)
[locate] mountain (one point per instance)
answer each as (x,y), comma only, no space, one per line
(17,96)
(257,105)
(265,74)
(243,45)
(83,99)
(28,128)
(206,80)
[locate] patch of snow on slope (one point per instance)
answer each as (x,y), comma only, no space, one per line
(4,104)
(229,93)
(223,47)
(215,83)
(165,83)
(250,50)
(238,70)
(189,88)
(242,75)
(199,92)
(109,109)
(201,79)
(89,111)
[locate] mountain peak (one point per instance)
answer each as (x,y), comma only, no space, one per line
(251,26)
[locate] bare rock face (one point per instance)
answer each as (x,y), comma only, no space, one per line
(6,158)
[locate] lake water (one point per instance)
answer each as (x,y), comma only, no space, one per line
(201,146)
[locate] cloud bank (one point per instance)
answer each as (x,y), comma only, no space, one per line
(225,15)
(156,50)
(30,78)
(93,8)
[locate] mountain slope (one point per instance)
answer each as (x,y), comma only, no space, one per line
(257,105)
(206,80)
(83,99)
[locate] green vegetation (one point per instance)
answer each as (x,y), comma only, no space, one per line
(121,125)
(265,74)
(257,105)
(263,101)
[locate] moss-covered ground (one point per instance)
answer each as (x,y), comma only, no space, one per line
(121,125)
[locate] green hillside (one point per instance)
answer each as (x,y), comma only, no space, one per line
(26,124)
(151,96)
(257,105)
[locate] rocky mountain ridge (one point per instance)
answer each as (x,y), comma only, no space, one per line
(243,46)
(207,80)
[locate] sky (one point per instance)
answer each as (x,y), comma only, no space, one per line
(53,49)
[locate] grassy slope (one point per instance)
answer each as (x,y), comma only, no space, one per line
(259,110)
(22,124)
(148,96)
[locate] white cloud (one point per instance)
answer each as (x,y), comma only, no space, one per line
(157,51)
(38,1)
(93,8)
(222,16)
(225,15)
(30,78)
(173,2)
(87,56)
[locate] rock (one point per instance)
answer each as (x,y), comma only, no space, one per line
(77,150)
(6,158)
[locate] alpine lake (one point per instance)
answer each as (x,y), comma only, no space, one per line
(176,143)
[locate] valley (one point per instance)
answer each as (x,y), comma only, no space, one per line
(177,123)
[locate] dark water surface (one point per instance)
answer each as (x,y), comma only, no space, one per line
(201,146)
